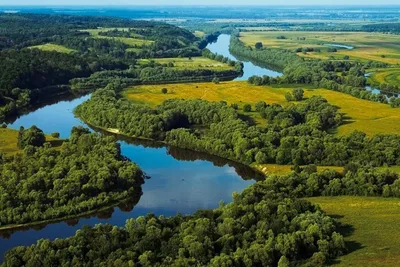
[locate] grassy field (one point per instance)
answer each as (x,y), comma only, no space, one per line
(192,63)
(53,47)
(9,137)
(369,117)
(371,229)
(367,46)
(199,33)
(135,40)
(388,76)
(274,169)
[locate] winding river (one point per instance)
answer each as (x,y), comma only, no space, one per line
(181,181)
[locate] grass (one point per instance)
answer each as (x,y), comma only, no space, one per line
(274,169)
(199,33)
(9,137)
(367,116)
(367,46)
(371,230)
(135,40)
(191,63)
(388,76)
(53,47)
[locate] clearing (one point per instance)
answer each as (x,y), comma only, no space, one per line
(371,228)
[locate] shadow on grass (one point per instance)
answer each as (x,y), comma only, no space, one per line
(346,230)
(247,119)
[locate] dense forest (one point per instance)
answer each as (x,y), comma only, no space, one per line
(297,134)
(266,225)
(44,183)
(261,227)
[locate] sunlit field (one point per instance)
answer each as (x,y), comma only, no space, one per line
(53,47)
(9,138)
(190,63)
(367,46)
(133,41)
(367,116)
(371,229)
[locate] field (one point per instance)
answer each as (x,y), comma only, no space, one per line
(199,33)
(388,76)
(274,169)
(371,229)
(367,46)
(9,137)
(367,116)
(134,41)
(53,47)
(191,63)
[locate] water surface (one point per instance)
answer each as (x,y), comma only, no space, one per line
(221,47)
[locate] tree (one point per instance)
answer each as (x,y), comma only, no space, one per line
(258,45)
(55,135)
(247,108)
(298,94)
(164,91)
(346,57)
(289,96)
(30,137)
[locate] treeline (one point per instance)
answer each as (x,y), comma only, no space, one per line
(153,72)
(42,183)
(382,27)
(277,57)
(343,76)
(220,58)
(355,181)
(297,134)
(261,227)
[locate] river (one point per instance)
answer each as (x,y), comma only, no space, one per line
(181,181)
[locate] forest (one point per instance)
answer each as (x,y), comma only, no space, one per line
(260,227)
(297,134)
(44,183)
(29,76)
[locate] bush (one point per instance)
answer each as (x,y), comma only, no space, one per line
(55,135)
(215,80)
(298,94)
(247,108)
(164,91)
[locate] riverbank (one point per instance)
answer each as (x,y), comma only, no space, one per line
(65,218)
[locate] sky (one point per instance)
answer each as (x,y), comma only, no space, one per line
(199,2)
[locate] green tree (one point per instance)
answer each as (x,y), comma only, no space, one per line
(164,91)
(258,45)
(298,94)
(30,137)
(247,108)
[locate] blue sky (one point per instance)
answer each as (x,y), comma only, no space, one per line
(197,2)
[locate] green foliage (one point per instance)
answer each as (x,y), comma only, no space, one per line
(164,90)
(259,228)
(298,94)
(296,134)
(43,183)
(247,108)
(258,45)
(30,137)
